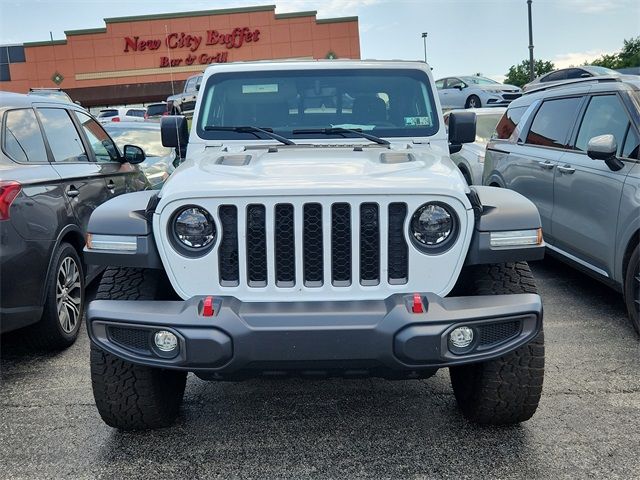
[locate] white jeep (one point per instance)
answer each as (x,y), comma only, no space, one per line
(317,226)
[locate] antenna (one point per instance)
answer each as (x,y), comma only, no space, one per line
(173,88)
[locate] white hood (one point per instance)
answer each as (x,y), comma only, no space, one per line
(314,170)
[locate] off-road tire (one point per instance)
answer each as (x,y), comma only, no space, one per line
(128,396)
(473,99)
(506,390)
(48,333)
(632,289)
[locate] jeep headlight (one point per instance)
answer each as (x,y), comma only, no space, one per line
(192,230)
(434,227)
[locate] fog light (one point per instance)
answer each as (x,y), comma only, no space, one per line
(461,337)
(165,341)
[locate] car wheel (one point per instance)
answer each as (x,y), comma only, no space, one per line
(128,396)
(506,390)
(473,102)
(64,302)
(632,289)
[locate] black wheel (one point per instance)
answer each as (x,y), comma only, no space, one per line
(632,288)
(128,396)
(64,302)
(506,390)
(473,102)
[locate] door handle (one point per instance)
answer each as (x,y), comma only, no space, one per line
(72,191)
(566,169)
(546,165)
(111,185)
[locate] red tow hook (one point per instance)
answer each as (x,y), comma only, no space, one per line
(207,307)
(418,307)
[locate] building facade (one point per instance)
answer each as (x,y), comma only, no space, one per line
(145,58)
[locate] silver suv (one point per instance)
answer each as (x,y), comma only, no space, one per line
(573,150)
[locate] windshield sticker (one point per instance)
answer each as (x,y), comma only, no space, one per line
(268,88)
(417,121)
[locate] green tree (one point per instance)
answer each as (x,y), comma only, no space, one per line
(519,74)
(629,56)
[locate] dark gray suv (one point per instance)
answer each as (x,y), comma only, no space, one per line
(573,150)
(57,164)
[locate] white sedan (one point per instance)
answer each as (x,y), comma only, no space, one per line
(470,159)
(475,92)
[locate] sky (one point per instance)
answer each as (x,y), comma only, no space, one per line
(464,36)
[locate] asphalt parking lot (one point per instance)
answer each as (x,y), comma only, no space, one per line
(588,423)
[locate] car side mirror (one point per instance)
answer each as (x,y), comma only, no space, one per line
(462,129)
(133,154)
(604,147)
(459,87)
(174,132)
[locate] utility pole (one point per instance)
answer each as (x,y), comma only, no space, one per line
(424,38)
(532,74)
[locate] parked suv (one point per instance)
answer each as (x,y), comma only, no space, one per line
(57,165)
(573,150)
(317,241)
(122,114)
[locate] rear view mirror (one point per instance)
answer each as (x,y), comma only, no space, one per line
(604,147)
(462,129)
(174,132)
(133,154)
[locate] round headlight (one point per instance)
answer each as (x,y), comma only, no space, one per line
(194,229)
(433,226)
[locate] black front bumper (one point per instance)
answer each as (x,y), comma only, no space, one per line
(278,336)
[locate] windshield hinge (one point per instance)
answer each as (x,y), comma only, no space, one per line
(420,142)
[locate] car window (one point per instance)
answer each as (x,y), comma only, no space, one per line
(440,84)
(509,121)
(455,82)
(553,122)
(102,146)
(22,136)
(135,113)
(62,135)
(604,115)
(631,145)
(577,73)
(485,126)
(191,84)
(107,113)
(156,109)
(553,76)
(147,139)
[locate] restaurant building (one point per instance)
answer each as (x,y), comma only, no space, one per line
(144,58)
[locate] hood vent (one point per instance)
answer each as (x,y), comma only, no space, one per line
(396,157)
(234,160)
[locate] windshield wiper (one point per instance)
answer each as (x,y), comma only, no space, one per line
(250,129)
(342,131)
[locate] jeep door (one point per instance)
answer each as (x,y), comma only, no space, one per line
(532,161)
(587,192)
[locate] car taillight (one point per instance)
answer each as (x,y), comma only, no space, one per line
(9,190)
(115,119)
(146,116)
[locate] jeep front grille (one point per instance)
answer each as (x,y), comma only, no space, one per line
(330,237)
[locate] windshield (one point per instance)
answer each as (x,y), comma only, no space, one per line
(480,80)
(485,126)
(383,102)
(603,70)
(148,140)
(107,113)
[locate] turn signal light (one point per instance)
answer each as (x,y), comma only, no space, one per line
(9,190)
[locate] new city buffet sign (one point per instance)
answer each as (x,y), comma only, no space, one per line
(182,41)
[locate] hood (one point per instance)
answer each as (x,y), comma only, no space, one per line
(501,87)
(314,170)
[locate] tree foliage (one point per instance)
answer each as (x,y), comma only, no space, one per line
(629,56)
(519,74)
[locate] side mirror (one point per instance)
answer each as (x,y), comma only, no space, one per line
(459,87)
(174,132)
(462,129)
(604,147)
(134,154)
